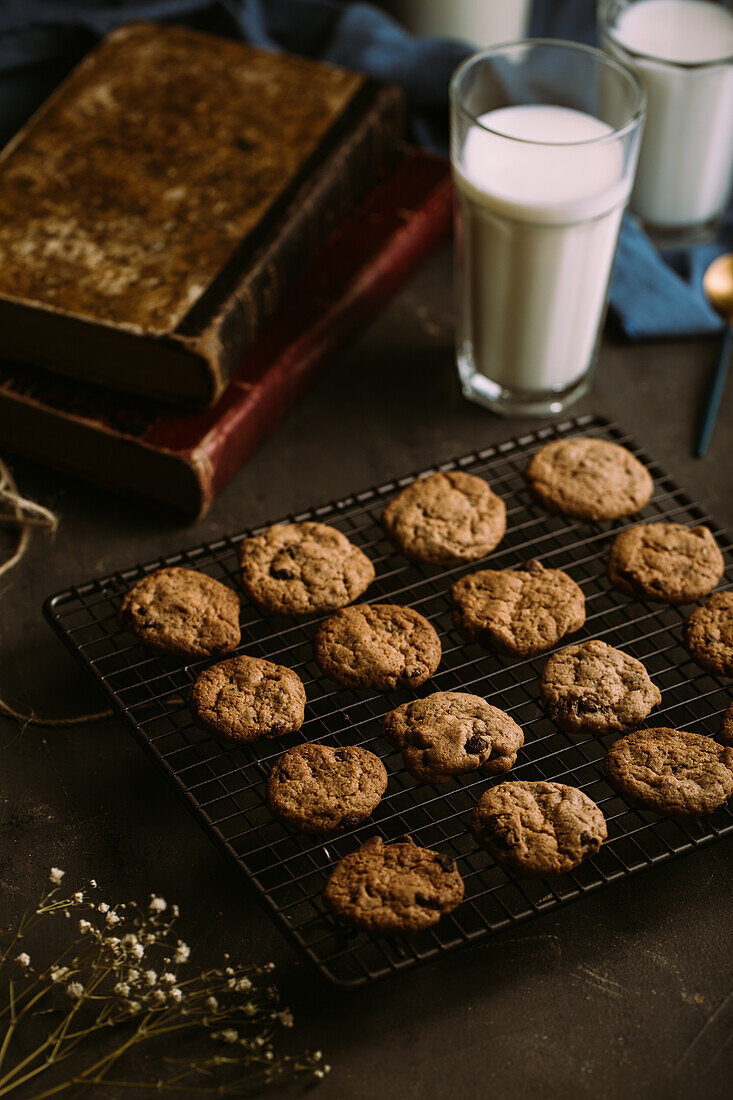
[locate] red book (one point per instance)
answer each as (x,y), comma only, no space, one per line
(183,460)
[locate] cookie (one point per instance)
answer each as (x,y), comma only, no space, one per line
(726,726)
(537,829)
(446,518)
(451,732)
(303,569)
(382,646)
(709,634)
(392,888)
(671,771)
(520,611)
(245,698)
(182,611)
(592,686)
(589,479)
(666,562)
(314,788)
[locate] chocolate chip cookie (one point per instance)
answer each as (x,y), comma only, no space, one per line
(671,771)
(589,479)
(446,518)
(391,888)
(245,698)
(537,829)
(666,562)
(520,611)
(451,732)
(314,788)
(726,726)
(592,686)
(303,569)
(182,611)
(709,634)
(382,646)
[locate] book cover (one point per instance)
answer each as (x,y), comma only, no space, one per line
(158,206)
(183,460)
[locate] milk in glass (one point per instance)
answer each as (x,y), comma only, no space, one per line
(541,193)
(682,51)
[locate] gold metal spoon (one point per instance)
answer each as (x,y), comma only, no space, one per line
(718,286)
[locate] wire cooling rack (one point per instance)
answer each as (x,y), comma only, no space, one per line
(224,786)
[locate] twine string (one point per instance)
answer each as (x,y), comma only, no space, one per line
(27,515)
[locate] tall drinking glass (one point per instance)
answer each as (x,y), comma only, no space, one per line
(682,52)
(544,143)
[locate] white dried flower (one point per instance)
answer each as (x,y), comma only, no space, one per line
(229,970)
(122,989)
(133,975)
(58,972)
(168,978)
(182,952)
(77,897)
(229,1035)
(149,939)
(157,904)
(319,1074)
(93,883)
(317,1055)
(137,951)
(243,985)
(286,1017)
(112,918)
(175,994)
(103,907)
(269,1055)
(84,927)
(75,990)
(113,942)
(151,977)
(158,996)
(23,959)
(133,1006)
(129,940)
(212,1004)
(56,875)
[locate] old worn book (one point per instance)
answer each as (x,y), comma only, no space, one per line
(157,208)
(182,460)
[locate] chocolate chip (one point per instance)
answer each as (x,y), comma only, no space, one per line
(427,903)
(534,566)
(445,863)
(475,744)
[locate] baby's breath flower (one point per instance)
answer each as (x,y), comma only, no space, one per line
(75,990)
(103,907)
(229,1035)
(77,897)
(243,985)
(113,942)
(23,959)
(130,939)
(168,978)
(133,975)
(137,951)
(175,994)
(149,938)
(317,1055)
(157,904)
(151,977)
(250,1009)
(93,883)
(182,952)
(84,927)
(286,1017)
(122,989)
(212,1004)
(269,1055)
(175,911)
(229,970)
(58,972)
(133,1006)
(158,996)
(56,875)
(112,918)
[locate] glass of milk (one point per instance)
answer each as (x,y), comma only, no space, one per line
(544,143)
(682,52)
(484,22)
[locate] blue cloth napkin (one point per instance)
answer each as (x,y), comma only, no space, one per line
(40,40)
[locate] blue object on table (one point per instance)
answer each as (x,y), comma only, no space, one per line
(40,40)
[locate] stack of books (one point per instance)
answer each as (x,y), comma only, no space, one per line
(190,227)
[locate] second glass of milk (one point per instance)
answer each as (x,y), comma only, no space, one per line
(544,144)
(682,52)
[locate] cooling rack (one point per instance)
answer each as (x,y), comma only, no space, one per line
(224,786)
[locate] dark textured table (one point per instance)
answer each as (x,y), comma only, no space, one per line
(628,993)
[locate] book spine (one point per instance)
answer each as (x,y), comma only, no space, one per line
(270,398)
(319,206)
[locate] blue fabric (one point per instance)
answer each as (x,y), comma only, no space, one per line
(40,40)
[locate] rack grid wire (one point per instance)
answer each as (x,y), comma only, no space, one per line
(224,786)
